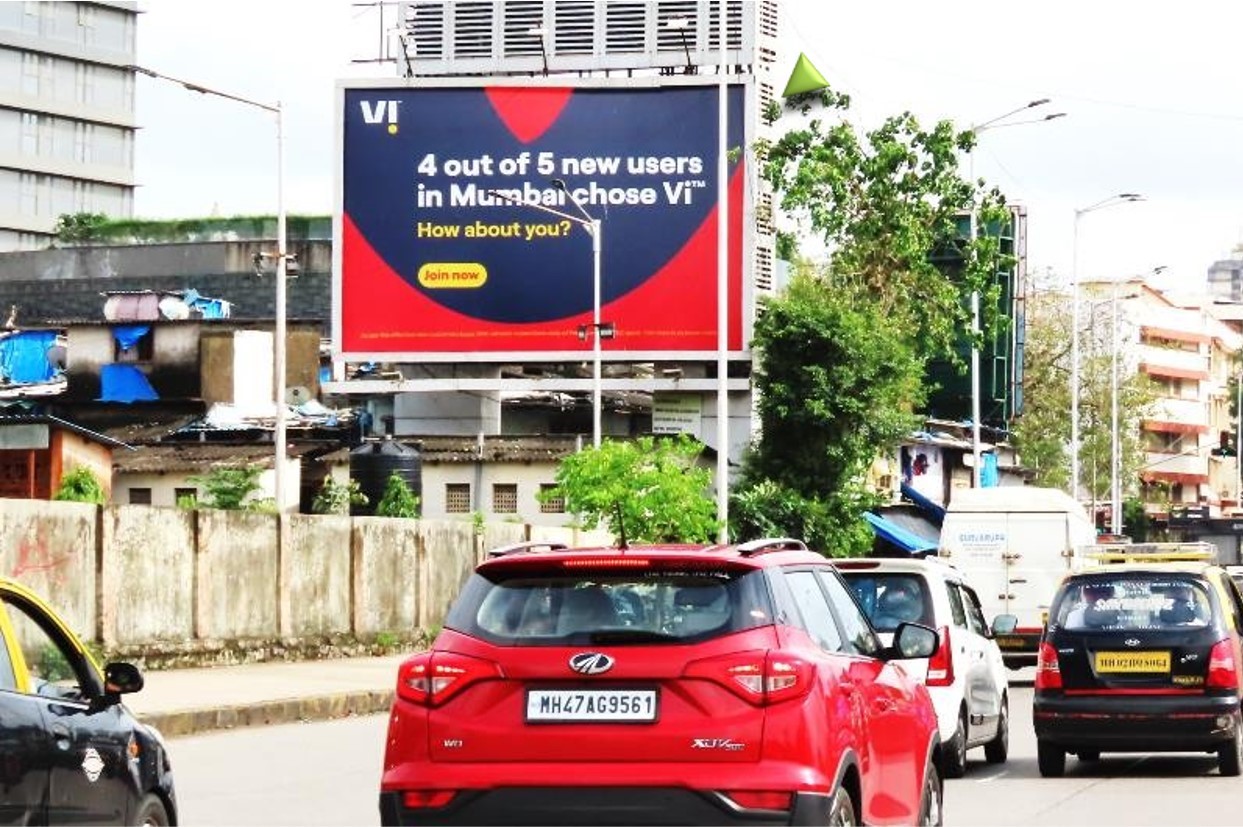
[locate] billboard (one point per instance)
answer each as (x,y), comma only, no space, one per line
(454,244)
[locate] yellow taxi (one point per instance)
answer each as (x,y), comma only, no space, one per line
(70,752)
(1141,653)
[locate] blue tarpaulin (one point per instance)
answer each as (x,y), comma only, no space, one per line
(124,383)
(127,335)
(990,477)
(23,357)
(933,510)
(899,536)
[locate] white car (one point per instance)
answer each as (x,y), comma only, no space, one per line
(966,677)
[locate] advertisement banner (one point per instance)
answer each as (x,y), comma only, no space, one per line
(457,240)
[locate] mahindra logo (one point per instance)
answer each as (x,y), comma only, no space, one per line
(591,663)
(1132,642)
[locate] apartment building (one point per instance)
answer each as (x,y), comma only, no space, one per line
(1189,355)
(67,119)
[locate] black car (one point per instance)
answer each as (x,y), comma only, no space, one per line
(70,752)
(1141,657)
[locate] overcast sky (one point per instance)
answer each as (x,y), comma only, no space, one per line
(1153,101)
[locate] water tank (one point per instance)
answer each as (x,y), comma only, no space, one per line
(372,463)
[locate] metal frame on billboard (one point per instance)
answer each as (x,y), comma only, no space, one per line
(447,247)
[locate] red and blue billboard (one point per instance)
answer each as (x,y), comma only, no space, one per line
(449,241)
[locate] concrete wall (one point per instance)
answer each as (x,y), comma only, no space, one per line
(170,579)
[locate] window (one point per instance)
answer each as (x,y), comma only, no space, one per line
(140,496)
(860,639)
(504,498)
(189,496)
(975,615)
(457,498)
(956,607)
(8,681)
(56,670)
(817,619)
(133,344)
(551,505)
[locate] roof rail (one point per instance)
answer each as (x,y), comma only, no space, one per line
(764,544)
(1199,551)
(531,545)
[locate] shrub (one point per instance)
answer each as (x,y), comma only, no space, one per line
(80,485)
(398,500)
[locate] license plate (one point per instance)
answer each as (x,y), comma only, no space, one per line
(1011,642)
(1132,661)
(591,705)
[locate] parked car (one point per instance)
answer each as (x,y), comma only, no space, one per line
(1141,655)
(670,684)
(967,676)
(70,752)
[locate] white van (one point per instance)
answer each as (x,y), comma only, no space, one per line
(1013,544)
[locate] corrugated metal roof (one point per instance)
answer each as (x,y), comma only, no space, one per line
(450,449)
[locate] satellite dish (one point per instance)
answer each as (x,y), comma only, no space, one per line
(297,395)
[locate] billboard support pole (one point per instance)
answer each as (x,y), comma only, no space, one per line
(722,288)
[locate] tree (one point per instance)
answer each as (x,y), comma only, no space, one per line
(337,497)
(80,485)
(80,227)
(397,500)
(842,355)
(230,489)
(645,490)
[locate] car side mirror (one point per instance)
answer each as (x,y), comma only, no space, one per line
(1005,624)
(122,678)
(914,640)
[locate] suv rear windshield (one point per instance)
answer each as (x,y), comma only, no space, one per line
(1133,601)
(557,607)
(890,599)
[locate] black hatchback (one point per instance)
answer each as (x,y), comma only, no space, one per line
(1141,658)
(70,752)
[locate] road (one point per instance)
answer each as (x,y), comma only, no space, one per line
(327,774)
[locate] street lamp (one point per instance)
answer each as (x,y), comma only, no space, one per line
(1111,201)
(991,123)
(598,331)
(282,255)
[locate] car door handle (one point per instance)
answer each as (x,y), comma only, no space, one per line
(60,733)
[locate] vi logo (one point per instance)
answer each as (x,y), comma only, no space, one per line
(380,112)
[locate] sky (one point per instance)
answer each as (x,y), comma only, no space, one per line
(1153,104)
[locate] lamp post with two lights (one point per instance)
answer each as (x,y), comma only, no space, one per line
(598,330)
(281,257)
(1111,201)
(991,123)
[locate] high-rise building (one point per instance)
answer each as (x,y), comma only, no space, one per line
(66,115)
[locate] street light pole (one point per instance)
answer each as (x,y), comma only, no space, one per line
(992,123)
(596,229)
(1111,201)
(282,254)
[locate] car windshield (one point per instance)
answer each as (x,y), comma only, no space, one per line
(890,599)
(554,608)
(1132,602)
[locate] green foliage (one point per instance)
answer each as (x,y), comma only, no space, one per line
(80,485)
(85,228)
(230,489)
(397,500)
(645,490)
(889,203)
(337,497)
(80,227)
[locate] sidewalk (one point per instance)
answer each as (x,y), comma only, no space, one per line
(188,701)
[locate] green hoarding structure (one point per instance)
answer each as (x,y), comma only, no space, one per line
(1001,359)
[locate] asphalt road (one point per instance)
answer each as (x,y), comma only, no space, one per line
(328,774)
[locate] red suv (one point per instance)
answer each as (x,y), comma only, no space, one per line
(735,684)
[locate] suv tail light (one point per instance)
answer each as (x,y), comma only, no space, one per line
(941,664)
(760,799)
(1223,670)
(1048,672)
(427,799)
(760,676)
(431,678)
